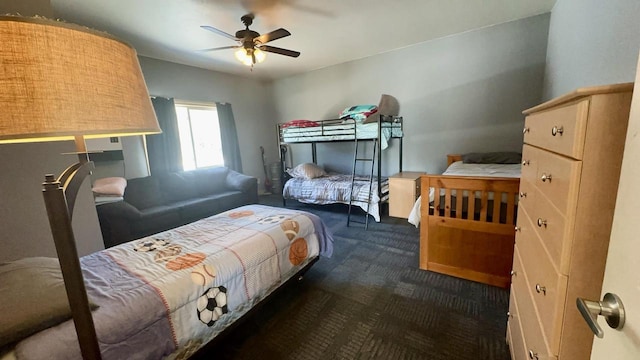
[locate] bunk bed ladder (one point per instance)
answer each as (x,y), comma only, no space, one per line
(357,159)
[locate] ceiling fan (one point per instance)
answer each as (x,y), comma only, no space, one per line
(252,46)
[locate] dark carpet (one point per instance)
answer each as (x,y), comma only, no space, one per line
(370,301)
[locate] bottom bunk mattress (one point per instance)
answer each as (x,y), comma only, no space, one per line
(170,293)
(336,188)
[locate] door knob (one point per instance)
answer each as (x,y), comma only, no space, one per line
(610,307)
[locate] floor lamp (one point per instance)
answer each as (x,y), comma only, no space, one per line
(60,81)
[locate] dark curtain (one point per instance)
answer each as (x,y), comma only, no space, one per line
(229,137)
(164,149)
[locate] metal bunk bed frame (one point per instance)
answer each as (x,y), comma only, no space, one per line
(376,158)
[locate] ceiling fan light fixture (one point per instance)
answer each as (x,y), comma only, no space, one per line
(243,55)
(260,55)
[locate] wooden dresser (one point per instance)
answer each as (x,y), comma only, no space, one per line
(570,170)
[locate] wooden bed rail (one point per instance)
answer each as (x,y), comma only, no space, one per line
(467,230)
(474,198)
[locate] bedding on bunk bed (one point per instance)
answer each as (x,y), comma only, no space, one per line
(460,168)
(336,188)
(170,293)
(346,130)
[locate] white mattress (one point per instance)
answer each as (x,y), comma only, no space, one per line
(459,168)
(345,131)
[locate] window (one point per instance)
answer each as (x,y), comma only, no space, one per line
(199,132)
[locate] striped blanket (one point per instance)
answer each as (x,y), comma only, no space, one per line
(336,188)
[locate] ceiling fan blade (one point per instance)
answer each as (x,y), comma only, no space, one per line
(220,48)
(274,35)
(219,32)
(277,50)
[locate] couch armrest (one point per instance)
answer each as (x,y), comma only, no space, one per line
(119,209)
(241,182)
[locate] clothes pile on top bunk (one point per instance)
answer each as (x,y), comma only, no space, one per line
(359,113)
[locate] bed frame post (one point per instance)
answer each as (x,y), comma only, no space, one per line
(314,155)
(378,144)
(401,138)
(283,170)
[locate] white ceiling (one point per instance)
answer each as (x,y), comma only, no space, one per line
(326,32)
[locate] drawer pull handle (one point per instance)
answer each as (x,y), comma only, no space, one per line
(523,194)
(557,130)
(542,222)
(525,162)
(518,228)
(541,289)
(525,130)
(533,355)
(545,177)
(509,314)
(513,273)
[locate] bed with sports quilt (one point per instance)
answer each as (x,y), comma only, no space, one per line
(167,295)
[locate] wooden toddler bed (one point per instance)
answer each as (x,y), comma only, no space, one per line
(469,236)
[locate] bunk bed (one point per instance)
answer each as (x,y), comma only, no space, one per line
(467,221)
(175,292)
(366,192)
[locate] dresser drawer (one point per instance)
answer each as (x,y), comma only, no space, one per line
(554,230)
(527,194)
(527,316)
(529,169)
(547,287)
(558,178)
(514,332)
(561,130)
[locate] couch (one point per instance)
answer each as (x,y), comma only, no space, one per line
(160,202)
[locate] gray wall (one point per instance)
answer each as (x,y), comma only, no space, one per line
(461,93)
(591,42)
(24,226)
(23,219)
(250,99)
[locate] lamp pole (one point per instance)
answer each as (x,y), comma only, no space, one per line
(59,198)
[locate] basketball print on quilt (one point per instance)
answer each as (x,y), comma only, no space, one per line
(298,251)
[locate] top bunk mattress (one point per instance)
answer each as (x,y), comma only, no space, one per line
(341,131)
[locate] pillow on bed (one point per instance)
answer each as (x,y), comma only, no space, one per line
(307,171)
(388,106)
(504,157)
(110,186)
(33,298)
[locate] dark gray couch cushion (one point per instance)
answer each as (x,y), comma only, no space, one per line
(155,219)
(143,192)
(211,180)
(178,187)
